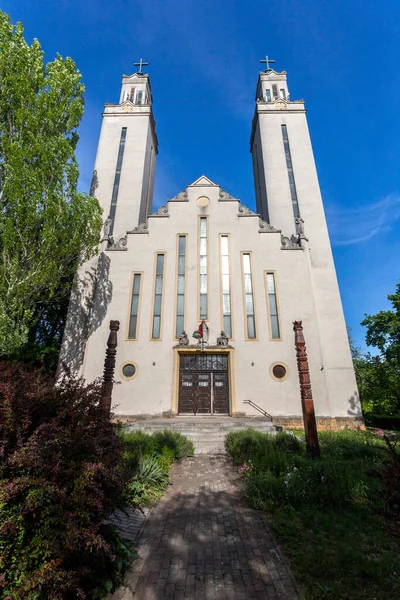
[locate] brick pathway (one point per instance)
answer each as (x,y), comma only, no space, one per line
(201,543)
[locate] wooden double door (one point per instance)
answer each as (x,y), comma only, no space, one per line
(203,384)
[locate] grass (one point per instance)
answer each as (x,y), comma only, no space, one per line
(149,459)
(330,515)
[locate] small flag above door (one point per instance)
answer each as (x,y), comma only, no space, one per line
(202,333)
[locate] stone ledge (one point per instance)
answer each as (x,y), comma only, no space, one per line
(323,423)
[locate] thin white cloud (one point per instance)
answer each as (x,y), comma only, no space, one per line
(361,223)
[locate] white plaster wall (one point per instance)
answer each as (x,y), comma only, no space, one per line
(336,355)
(138,123)
(151,392)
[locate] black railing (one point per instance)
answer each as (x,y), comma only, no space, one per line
(261,410)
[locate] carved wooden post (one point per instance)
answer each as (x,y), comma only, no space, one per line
(109,367)
(307,402)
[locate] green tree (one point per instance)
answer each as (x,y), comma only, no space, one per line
(383,330)
(46,226)
(378,377)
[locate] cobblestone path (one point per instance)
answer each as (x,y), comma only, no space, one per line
(201,543)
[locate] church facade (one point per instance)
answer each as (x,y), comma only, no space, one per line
(206,263)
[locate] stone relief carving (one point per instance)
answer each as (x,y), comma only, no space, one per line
(107,228)
(222,340)
(244,211)
(300,229)
(181,197)
(118,245)
(141,228)
(226,197)
(161,212)
(94,184)
(291,243)
(266,227)
(183,339)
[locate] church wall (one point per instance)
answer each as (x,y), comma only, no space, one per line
(130,186)
(334,339)
(152,390)
(277,183)
(305,277)
(336,356)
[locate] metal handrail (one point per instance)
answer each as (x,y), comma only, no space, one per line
(261,410)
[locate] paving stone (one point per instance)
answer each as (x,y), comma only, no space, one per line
(201,543)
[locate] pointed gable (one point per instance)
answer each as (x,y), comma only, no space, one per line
(203,180)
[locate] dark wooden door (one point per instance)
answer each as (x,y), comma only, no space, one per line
(220,392)
(203,384)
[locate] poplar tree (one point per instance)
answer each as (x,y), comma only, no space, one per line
(46,226)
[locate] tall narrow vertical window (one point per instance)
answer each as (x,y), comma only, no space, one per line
(273,307)
(248,297)
(132,95)
(282,93)
(134,313)
(203,268)
(267,95)
(180,294)
(158,292)
(117,178)
(226,287)
(292,184)
(275,90)
(139,97)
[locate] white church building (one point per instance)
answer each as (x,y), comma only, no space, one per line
(206,258)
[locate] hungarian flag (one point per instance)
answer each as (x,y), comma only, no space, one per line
(202,332)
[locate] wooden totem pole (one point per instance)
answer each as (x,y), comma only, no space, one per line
(109,368)
(307,402)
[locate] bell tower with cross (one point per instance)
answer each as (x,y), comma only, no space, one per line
(288,196)
(123,180)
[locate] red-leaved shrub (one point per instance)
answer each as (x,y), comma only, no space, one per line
(61,478)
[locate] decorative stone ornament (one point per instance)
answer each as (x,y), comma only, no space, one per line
(118,245)
(265,227)
(107,230)
(222,340)
(291,243)
(226,197)
(161,212)
(203,201)
(142,228)
(300,229)
(181,197)
(244,211)
(183,339)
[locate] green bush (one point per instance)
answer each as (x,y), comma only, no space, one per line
(287,442)
(244,445)
(136,445)
(278,470)
(150,480)
(148,458)
(178,443)
(333,514)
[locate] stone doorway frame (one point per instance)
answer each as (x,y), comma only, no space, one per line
(178,350)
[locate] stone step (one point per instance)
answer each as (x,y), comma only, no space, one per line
(207,433)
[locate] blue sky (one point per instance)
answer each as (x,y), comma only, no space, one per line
(342,57)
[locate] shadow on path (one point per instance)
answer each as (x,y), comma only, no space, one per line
(201,543)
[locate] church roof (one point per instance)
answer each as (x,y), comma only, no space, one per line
(203,180)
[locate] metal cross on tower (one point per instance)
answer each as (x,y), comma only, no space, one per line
(140,65)
(267,61)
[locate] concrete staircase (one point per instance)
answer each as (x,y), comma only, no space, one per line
(207,433)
